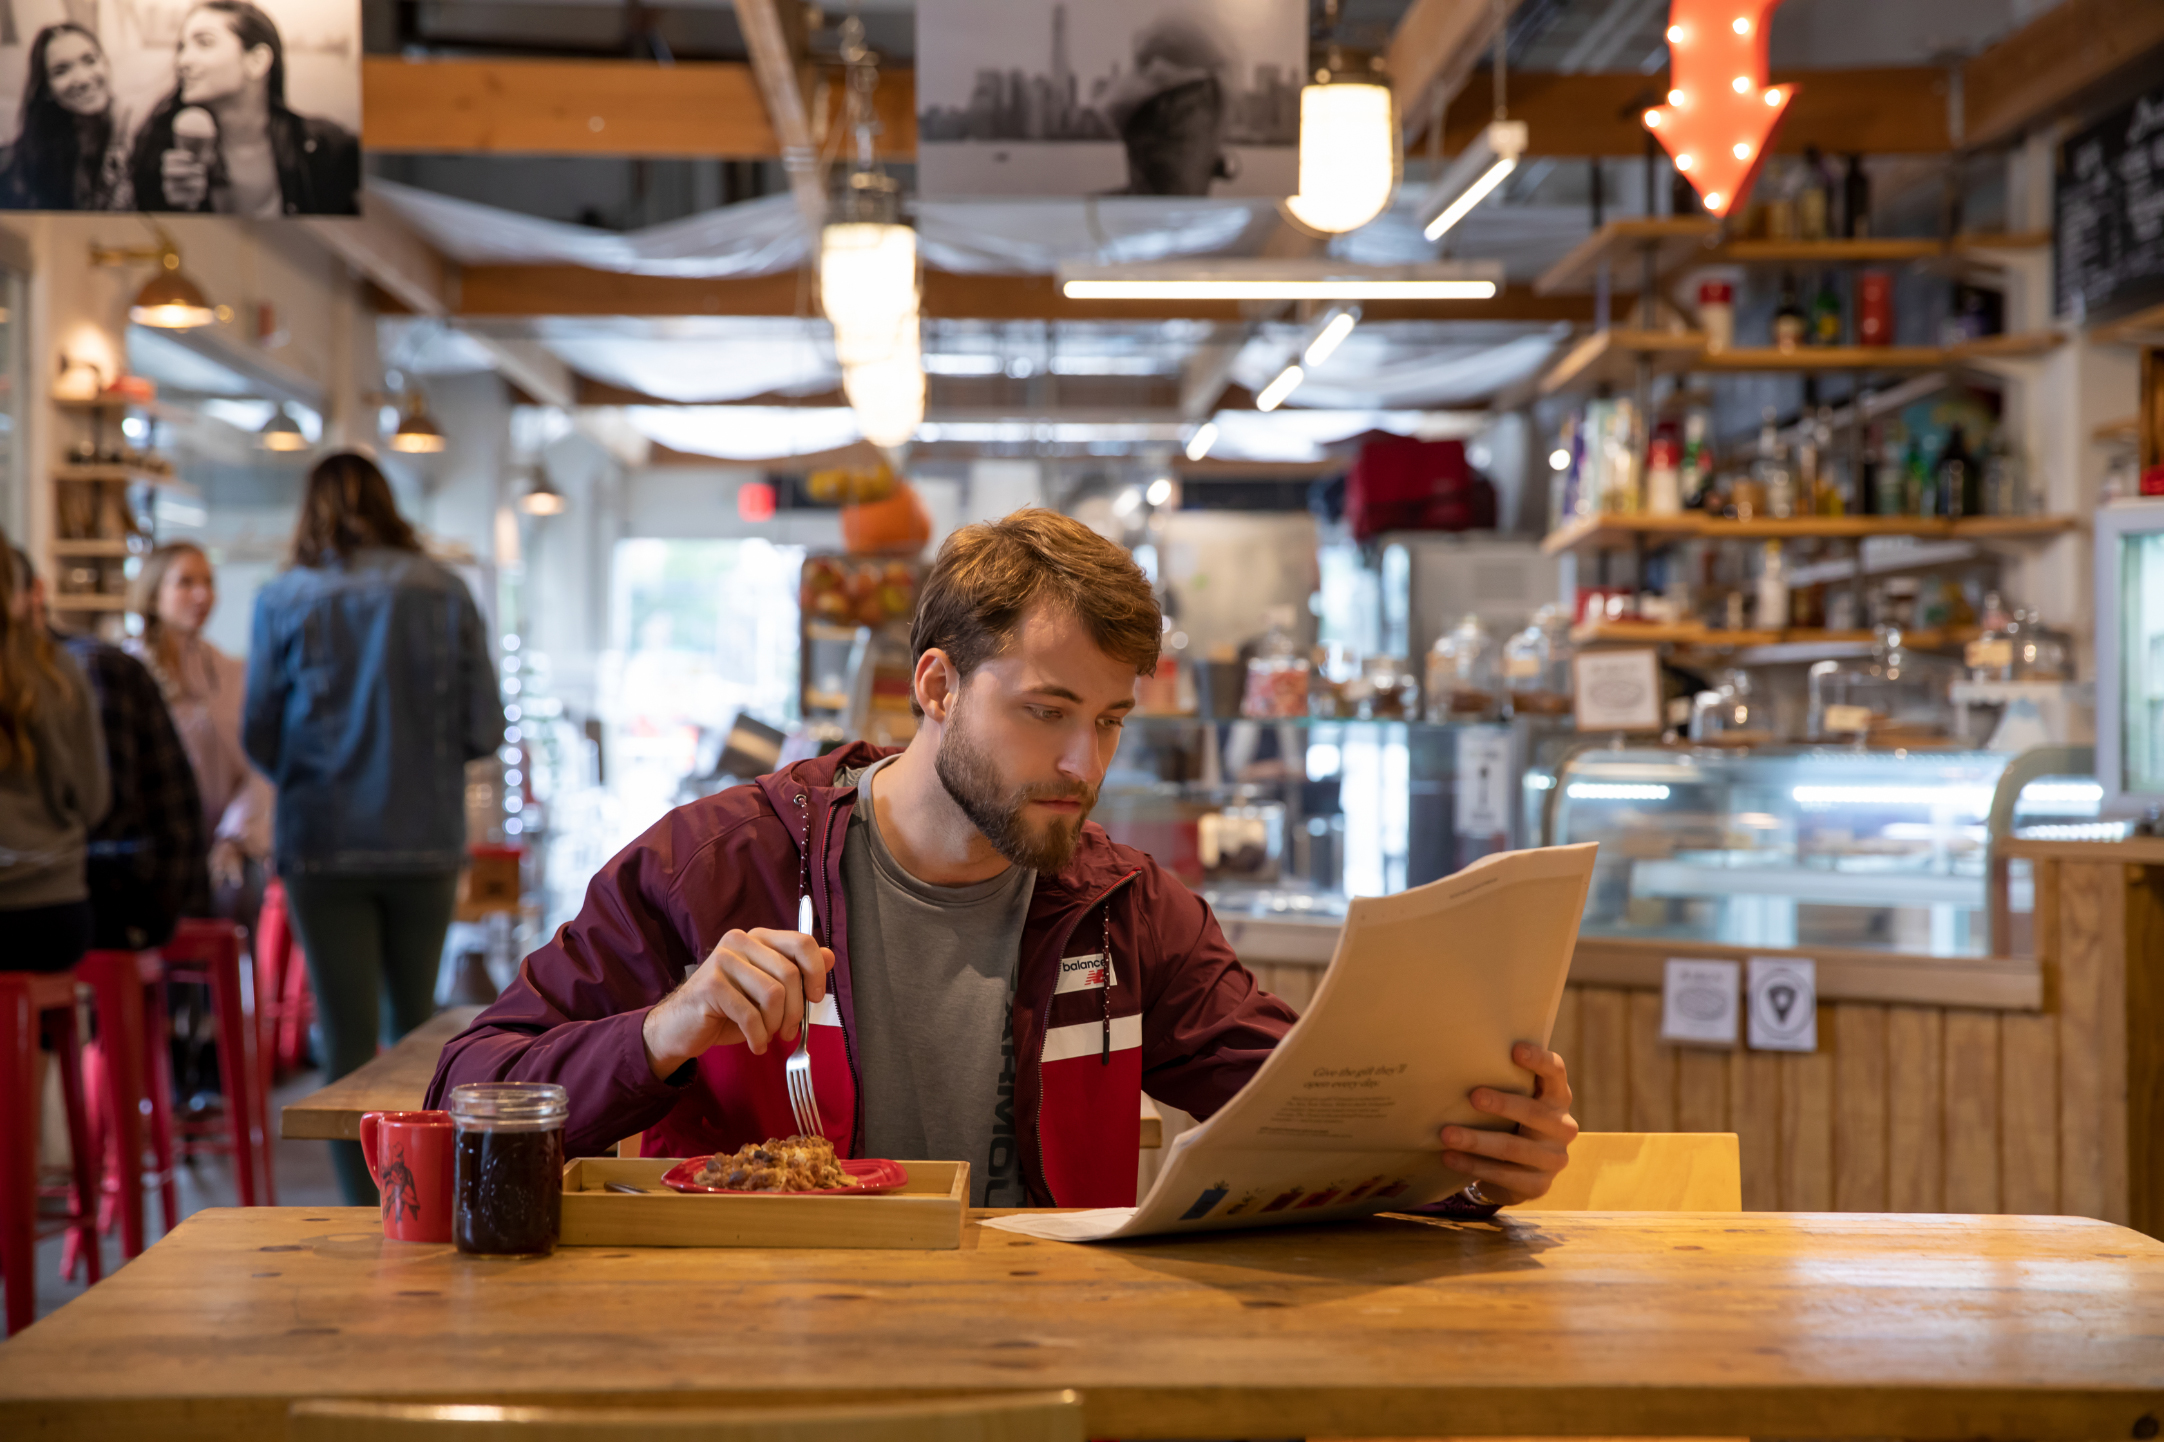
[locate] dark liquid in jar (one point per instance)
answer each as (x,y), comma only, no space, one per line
(510,1192)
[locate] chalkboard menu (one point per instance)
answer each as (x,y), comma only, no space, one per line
(2110,211)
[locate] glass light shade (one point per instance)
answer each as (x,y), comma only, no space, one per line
(1348,156)
(873,343)
(888,398)
(867,275)
(282,433)
(542,499)
(417,435)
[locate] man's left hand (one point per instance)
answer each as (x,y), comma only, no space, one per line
(1517,1166)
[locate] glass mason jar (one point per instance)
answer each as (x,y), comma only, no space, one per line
(508,1168)
(1465,676)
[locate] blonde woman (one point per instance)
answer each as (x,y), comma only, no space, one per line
(53,787)
(204,688)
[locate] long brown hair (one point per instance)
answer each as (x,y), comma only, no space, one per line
(26,653)
(143,590)
(348,505)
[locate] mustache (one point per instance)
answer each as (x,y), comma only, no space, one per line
(1059,791)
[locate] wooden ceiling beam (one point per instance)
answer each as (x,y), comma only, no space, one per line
(712,110)
(2050,63)
(537,290)
(1871,112)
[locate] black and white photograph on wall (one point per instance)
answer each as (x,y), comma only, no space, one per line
(1118,97)
(226,107)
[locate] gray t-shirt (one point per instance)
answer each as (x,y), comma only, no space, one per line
(931,972)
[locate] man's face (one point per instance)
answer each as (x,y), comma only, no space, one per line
(1024,747)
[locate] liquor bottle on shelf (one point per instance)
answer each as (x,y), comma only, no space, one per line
(1664,473)
(1920,493)
(1856,200)
(1773,589)
(1788,318)
(1697,466)
(1826,313)
(1776,482)
(2006,489)
(1960,485)
(1883,454)
(1834,481)
(1813,197)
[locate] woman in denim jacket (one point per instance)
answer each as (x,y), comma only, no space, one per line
(370,686)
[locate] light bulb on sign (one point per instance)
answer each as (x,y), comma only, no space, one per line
(1720,139)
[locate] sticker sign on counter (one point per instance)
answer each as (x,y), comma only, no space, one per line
(1485,779)
(1784,1004)
(1701,1002)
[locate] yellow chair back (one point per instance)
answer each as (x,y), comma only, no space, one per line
(1647,1172)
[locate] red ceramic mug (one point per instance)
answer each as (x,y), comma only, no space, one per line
(409,1155)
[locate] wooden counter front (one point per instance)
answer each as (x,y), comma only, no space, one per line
(2013,1085)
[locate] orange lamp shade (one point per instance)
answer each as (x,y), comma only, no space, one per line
(1721,113)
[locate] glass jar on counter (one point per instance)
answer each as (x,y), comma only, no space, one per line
(1990,657)
(1728,716)
(1465,675)
(2041,653)
(1898,698)
(508,1167)
(1388,690)
(1536,665)
(1333,682)
(1278,673)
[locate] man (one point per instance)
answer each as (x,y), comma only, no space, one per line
(1005,978)
(148,864)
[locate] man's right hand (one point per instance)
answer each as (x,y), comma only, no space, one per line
(751,988)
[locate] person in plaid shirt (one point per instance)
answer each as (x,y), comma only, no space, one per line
(149,858)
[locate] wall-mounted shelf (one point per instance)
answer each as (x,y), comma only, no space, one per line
(1612,357)
(1801,643)
(1873,250)
(1622,245)
(1680,241)
(88,603)
(1610,533)
(93,548)
(127,475)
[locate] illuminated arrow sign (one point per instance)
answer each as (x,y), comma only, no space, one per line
(1721,112)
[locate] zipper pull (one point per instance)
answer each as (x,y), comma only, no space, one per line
(804,915)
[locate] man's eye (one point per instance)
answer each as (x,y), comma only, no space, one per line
(1113,723)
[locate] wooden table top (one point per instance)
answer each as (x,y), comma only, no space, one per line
(396,1081)
(1766,1324)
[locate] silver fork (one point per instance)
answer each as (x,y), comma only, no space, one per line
(802,1104)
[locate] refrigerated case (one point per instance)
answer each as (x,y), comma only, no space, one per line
(1801,847)
(2130,656)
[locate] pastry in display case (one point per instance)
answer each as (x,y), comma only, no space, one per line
(1795,846)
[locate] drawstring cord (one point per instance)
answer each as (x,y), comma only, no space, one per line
(1105,1057)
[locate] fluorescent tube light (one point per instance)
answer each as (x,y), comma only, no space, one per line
(1198,444)
(1482,166)
(1329,336)
(1306,278)
(1273,395)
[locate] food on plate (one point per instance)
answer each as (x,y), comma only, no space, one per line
(778,1164)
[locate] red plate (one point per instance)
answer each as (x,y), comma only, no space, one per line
(871,1176)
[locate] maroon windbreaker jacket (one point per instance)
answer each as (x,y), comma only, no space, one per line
(1175,1013)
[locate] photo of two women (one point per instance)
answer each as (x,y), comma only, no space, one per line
(181,105)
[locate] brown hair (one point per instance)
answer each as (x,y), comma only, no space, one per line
(989,576)
(26,651)
(143,590)
(348,505)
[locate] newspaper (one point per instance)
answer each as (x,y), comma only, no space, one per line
(1425,996)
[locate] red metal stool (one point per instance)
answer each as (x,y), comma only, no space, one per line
(285,1005)
(35,1004)
(119,982)
(203,950)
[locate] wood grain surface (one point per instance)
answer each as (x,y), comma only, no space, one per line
(1556,1324)
(397,1080)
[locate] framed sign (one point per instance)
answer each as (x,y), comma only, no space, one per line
(1109,97)
(1616,690)
(226,107)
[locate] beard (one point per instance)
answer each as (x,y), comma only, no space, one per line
(971,777)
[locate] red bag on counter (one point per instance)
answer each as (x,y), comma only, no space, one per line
(1398,484)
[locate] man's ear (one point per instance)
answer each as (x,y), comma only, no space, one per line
(937,684)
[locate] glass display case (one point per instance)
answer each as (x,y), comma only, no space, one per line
(2130,655)
(1798,847)
(1278,822)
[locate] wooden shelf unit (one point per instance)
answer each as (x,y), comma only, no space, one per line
(1873,250)
(1612,356)
(1681,241)
(1701,637)
(81,602)
(1622,245)
(1611,533)
(120,549)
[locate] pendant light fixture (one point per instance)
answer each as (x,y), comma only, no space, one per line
(1348,152)
(541,497)
(169,300)
(417,433)
(281,433)
(1485,163)
(868,273)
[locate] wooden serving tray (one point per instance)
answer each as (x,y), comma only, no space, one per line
(925,1213)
